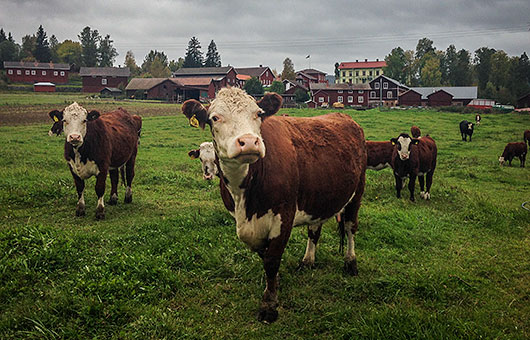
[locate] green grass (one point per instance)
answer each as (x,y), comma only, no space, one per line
(170,266)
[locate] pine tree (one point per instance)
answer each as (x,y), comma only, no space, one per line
(151,57)
(42,50)
(212,57)
(89,41)
(130,62)
(54,44)
(2,35)
(193,56)
(107,52)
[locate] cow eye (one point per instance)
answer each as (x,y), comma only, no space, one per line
(215,118)
(84,120)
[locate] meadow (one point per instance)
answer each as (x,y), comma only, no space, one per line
(170,266)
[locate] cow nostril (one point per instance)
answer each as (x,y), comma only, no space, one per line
(241,143)
(256,142)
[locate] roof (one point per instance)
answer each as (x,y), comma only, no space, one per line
(243,77)
(303,74)
(362,64)
(111,89)
(44,83)
(252,71)
(458,92)
(104,72)
(311,70)
(202,71)
(36,65)
(391,80)
(192,81)
(335,87)
(144,83)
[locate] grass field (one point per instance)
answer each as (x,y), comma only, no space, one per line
(170,266)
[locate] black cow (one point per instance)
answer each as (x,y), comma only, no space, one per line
(466,129)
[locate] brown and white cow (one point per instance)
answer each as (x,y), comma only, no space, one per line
(379,155)
(415,131)
(96,145)
(478,118)
(526,137)
(414,158)
(278,172)
(512,150)
(206,154)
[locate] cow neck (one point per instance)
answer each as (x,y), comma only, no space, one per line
(235,173)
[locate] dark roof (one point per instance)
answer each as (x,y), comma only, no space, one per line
(303,74)
(112,89)
(104,72)
(36,65)
(202,71)
(391,80)
(144,83)
(252,71)
(335,87)
(458,92)
(311,70)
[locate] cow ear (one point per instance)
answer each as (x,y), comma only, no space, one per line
(270,104)
(194,154)
(56,115)
(415,141)
(393,141)
(92,115)
(196,113)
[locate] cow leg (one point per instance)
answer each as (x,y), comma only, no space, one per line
(313,233)
(351,224)
(114,179)
(510,161)
(522,159)
(427,195)
(399,186)
(129,174)
(100,192)
(272,257)
(412,183)
(80,187)
(421,179)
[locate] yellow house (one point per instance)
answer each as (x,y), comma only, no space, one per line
(360,72)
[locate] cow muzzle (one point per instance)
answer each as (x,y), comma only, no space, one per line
(404,156)
(248,148)
(75,139)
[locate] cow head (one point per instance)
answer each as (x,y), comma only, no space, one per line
(206,154)
(470,126)
(235,120)
(74,120)
(501,160)
(57,126)
(403,144)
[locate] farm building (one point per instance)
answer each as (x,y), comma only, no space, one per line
(221,76)
(110,92)
(410,98)
(524,101)
(34,72)
(170,89)
(263,73)
(445,96)
(310,76)
(96,79)
(481,103)
(44,87)
(291,87)
(325,95)
(360,72)
(385,91)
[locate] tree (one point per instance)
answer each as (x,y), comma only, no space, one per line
(278,87)
(107,52)
(70,52)
(288,70)
(423,47)
(337,71)
(300,96)
(89,41)
(42,48)
(500,68)
(159,69)
(193,56)
(8,52)
(483,66)
(130,62)
(396,65)
(212,56)
(519,80)
(253,86)
(448,65)
(463,73)
(54,44)
(29,42)
(3,36)
(430,73)
(153,55)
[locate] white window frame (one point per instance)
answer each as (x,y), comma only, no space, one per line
(340,99)
(385,85)
(19,72)
(372,94)
(361,91)
(360,99)
(33,72)
(43,73)
(376,86)
(320,99)
(62,73)
(389,94)
(55,73)
(103,81)
(340,91)
(9,71)
(350,99)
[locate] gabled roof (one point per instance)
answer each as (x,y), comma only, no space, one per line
(144,83)
(252,71)
(311,70)
(338,87)
(362,64)
(303,74)
(202,71)
(441,90)
(111,89)
(243,77)
(390,80)
(36,65)
(458,92)
(192,81)
(104,72)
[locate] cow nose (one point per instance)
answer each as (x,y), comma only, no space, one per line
(404,156)
(75,138)
(248,144)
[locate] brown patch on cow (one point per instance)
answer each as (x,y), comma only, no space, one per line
(515,149)
(379,153)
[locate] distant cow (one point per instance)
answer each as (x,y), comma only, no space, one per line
(280,172)
(57,127)
(206,154)
(466,129)
(414,158)
(379,155)
(96,145)
(415,131)
(526,137)
(512,150)
(478,118)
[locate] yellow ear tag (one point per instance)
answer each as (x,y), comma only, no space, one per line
(55,119)
(194,121)
(393,143)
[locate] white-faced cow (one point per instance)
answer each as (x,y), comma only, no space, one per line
(526,137)
(466,129)
(415,131)
(206,154)
(414,158)
(379,155)
(96,145)
(478,118)
(512,150)
(278,172)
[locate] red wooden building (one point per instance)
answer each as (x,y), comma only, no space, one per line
(96,79)
(439,96)
(44,87)
(263,73)
(324,95)
(34,72)
(385,91)
(221,76)
(310,76)
(410,98)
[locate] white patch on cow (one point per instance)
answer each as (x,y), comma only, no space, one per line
(207,157)
(100,202)
(350,251)
(50,133)
(421,173)
(501,160)
(379,166)
(404,152)
(81,200)
(301,217)
(470,126)
(128,191)
(309,256)
(83,170)
(235,173)
(74,117)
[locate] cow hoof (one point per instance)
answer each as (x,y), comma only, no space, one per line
(128,199)
(350,267)
(113,200)
(303,265)
(422,194)
(427,196)
(80,211)
(412,199)
(267,315)
(100,213)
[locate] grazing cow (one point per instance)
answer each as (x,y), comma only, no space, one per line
(415,131)
(279,172)
(512,150)
(206,153)
(414,158)
(526,137)
(379,155)
(478,118)
(96,145)
(466,129)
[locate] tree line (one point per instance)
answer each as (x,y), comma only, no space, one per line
(497,75)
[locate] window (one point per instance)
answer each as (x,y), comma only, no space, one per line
(320,99)
(62,73)
(27,72)
(103,81)
(376,86)
(10,72)
(339,99)
(370,72)
(19,72)
(350,99)
(356,73)
(43,73)
(344,73)
(389,94)
(364,73)
(360,99)
(385,85)
(372,94)
(340,91)
(350,91)
(55,73)
(33,72)
(351,72)
(361,91)
(377,72)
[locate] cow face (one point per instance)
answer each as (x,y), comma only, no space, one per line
(57,126)
(470,126)
(206,154)
(501,160)
(235,120)
(74,119)
(403,144)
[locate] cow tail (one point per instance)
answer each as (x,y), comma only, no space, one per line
(342,232)
(122,171)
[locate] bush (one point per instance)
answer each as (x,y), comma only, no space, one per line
(301,96)
(278,87)
(253,86)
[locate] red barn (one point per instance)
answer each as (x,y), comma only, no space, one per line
(34,72)
(324,95)
(440,98)
(263,73)
(221,76)
(44,87)
(410,98)
(96,79)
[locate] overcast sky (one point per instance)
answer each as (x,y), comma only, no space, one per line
(250,33)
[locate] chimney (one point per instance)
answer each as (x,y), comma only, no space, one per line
(356,60)
(365,60)
(260,65)
(377,59)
